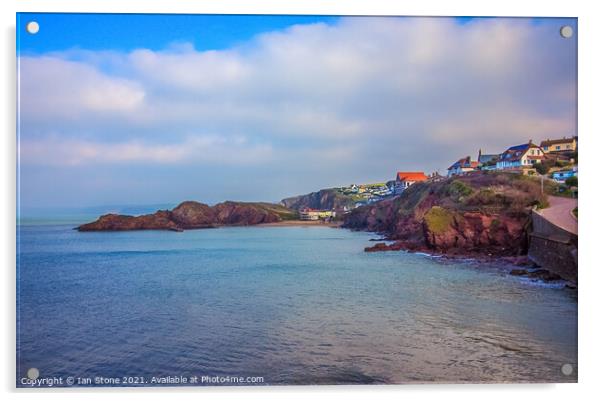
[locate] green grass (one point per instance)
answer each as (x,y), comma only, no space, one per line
(283,212)
(375,185)
(438,219)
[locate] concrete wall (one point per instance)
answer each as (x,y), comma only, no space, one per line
(553,248)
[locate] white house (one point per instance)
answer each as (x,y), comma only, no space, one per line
(520,157)
(462,166)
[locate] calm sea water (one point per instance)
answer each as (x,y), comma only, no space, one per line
(294,305)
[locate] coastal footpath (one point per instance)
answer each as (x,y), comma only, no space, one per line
(193,215)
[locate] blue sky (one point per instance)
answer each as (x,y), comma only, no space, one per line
(130,31)
(149,109)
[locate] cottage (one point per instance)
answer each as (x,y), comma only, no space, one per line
(520,157)
(462,166)
(406,178)
(559,145)
(487,161)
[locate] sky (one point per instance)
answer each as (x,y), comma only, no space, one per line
(150,109)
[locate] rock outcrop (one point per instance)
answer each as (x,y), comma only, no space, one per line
(324,199)
(476,214)
(192,215)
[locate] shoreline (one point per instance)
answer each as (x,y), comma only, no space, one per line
(522,265)
(302,223)
(283,223)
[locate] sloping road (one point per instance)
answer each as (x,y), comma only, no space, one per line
(559,213)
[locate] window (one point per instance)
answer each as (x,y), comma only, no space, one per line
(545,148)
(558,147)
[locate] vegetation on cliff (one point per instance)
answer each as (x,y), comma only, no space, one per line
(191,215)
(324,199)
(479,213)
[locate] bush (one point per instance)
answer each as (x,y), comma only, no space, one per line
(543,167)
(458,189)
(485,197)
(571,182)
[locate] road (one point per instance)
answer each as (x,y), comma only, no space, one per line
(559,213)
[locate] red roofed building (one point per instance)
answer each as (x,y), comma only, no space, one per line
(406,178)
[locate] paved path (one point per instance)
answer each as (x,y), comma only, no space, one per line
(559,213)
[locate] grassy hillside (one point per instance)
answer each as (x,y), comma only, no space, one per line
(480,212)
(284,212)
(325,199)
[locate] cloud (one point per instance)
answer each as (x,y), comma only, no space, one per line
(208,149)
(349,101)
(53,88)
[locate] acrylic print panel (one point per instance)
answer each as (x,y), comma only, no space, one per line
(264,200)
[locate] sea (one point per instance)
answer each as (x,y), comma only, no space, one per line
(276,306)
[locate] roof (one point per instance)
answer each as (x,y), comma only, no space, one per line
(549,142)
(524,146)
(464,163)
(486,158)
(514,153)
(411,176)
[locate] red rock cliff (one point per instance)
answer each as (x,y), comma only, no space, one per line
(191,215)
(476,214)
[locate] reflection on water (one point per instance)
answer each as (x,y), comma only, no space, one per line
(296,305)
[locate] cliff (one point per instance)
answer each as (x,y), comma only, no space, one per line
(191,215)
(477,214)
(324,199)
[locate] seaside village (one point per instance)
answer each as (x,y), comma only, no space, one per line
(552,159)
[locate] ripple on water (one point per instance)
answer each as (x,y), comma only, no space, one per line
(294,305)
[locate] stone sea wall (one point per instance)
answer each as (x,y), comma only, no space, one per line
(553,248)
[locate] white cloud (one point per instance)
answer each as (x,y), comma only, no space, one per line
(53,89)
(73,152)
(360,98)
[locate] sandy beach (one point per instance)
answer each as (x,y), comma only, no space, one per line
(300,223)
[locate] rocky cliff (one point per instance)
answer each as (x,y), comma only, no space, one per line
(191,215)
(476,214)
(324,199)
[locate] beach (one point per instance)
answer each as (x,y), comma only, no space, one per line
(303,223)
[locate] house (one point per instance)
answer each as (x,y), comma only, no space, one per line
(559,145)
(313,214)
(487,161)
(406,178)
(520,157)
(462,166)
(562,175)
